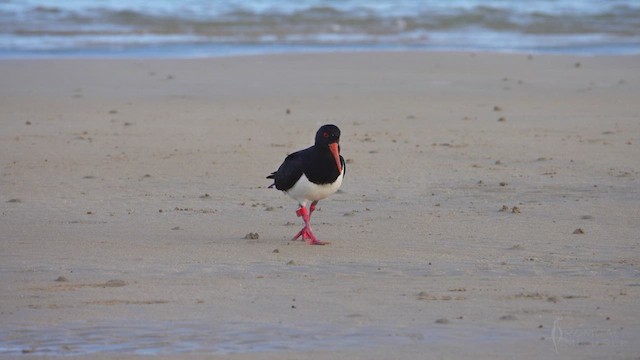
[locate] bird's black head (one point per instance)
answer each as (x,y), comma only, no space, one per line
(327,134)
(328,137)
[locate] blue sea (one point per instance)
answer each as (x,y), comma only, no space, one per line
(204,28)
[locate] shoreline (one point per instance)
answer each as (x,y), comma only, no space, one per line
(129,185)
(200,51)
(107,55)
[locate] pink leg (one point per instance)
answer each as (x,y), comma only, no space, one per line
(306,233)
(312,208)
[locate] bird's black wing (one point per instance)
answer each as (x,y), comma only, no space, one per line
(289,172)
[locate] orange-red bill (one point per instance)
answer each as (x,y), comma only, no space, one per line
(336,155)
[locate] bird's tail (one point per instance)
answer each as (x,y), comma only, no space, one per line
(272,176)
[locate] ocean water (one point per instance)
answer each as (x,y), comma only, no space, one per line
(201,28)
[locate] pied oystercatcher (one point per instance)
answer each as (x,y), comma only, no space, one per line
(311,175)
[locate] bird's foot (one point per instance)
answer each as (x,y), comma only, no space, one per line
(306,235)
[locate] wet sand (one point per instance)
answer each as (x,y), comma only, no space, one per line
(490,208)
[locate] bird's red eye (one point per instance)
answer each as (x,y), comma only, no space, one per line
(325,134)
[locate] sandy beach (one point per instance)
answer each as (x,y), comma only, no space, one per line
(491,208)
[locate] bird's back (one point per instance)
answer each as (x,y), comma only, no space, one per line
(290,170)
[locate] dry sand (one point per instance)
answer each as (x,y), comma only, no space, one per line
(128,188)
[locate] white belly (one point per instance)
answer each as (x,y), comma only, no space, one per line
(304,190)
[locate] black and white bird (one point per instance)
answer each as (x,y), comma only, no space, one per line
(311,175)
